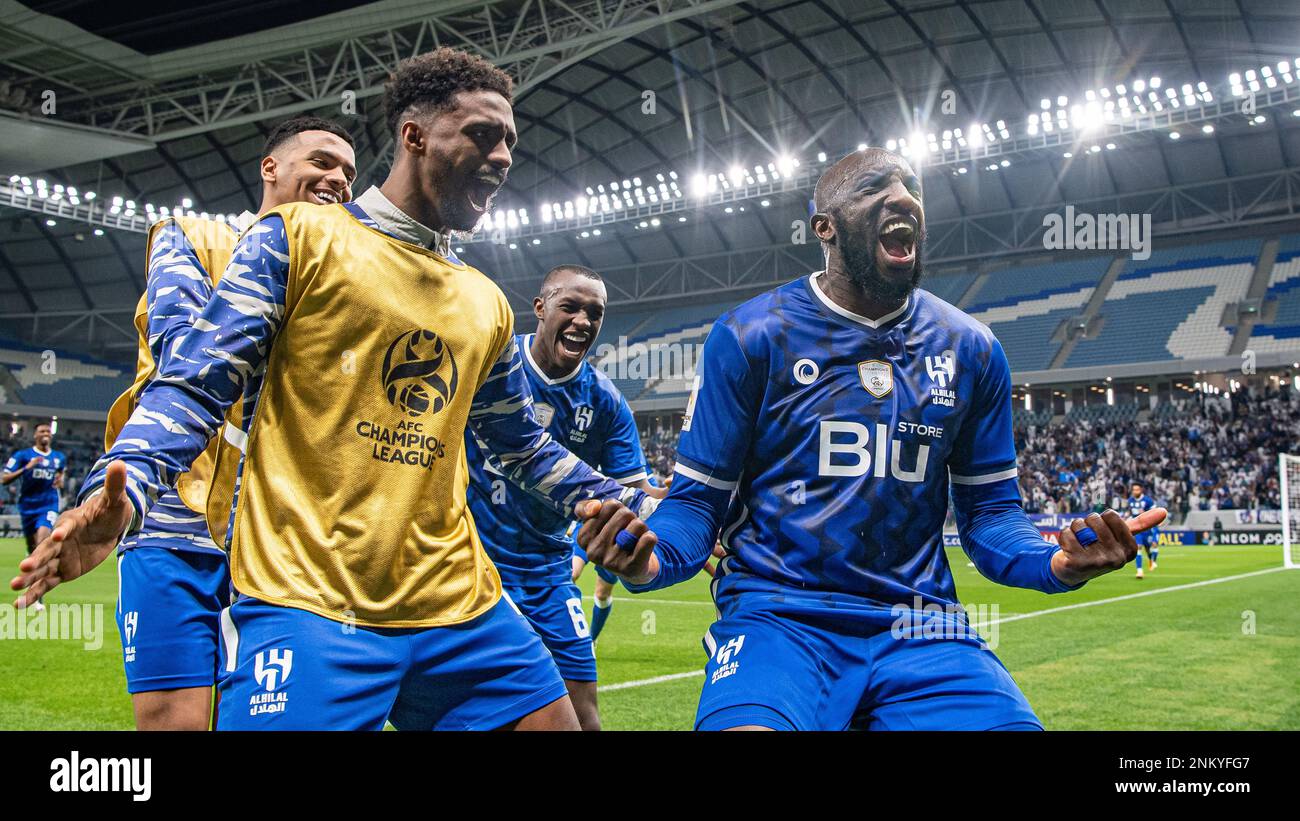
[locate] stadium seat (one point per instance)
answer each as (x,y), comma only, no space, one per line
(1024,306)
(68,381)
(1283,332)
(1170,306)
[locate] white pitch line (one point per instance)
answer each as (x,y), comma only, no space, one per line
(625,685)
(1128,596)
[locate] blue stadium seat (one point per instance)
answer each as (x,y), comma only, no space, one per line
(72,382)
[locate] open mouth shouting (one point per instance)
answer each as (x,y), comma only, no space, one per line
(482,187)
(898,241)
(572,344)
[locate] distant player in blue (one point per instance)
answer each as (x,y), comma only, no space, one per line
(583,411)
(840,409)
(42,471)
(1138,503)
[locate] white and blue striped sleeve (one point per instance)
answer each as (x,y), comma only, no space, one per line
(176,289)
(502,418)
(184,406)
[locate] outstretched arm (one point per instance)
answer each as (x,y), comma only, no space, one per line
(714,443)
(995,532)
(521,450)
(181,409)
(178,412)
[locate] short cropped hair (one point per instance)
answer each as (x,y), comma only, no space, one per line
(430,82)
(294,126)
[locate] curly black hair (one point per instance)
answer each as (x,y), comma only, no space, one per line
(431,81)
(303,122)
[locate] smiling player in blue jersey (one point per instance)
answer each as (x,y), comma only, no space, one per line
(582,410)
(1149,540)
(839,411)
(42,471)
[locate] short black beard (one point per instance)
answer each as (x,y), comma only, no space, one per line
(860,264)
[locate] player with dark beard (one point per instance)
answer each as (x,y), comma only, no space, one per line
(831,418)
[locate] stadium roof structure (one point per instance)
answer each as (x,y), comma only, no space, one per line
(671,144)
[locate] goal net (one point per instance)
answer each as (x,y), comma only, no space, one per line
(1289,472)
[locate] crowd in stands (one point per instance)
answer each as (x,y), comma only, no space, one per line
(1213,453)
(660,446)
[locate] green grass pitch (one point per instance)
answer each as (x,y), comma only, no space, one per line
(1219,656)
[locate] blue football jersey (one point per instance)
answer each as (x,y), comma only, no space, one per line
(839,436)
(1136,507)
(37,489)
(585,413)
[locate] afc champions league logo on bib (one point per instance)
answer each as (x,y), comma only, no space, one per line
(419,373)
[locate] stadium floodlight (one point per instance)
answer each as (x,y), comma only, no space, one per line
(536,241)
(1207,129)
(821,156)
(1173,135)
(186,202)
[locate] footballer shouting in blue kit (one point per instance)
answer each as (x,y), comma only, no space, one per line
(583,411)
(830,420)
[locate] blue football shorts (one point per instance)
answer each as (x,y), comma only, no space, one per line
(39,517)
(840,670)
(557,616)
(288,669)
(169,606)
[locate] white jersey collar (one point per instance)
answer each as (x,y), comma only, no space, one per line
(541,374)
(874,324)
